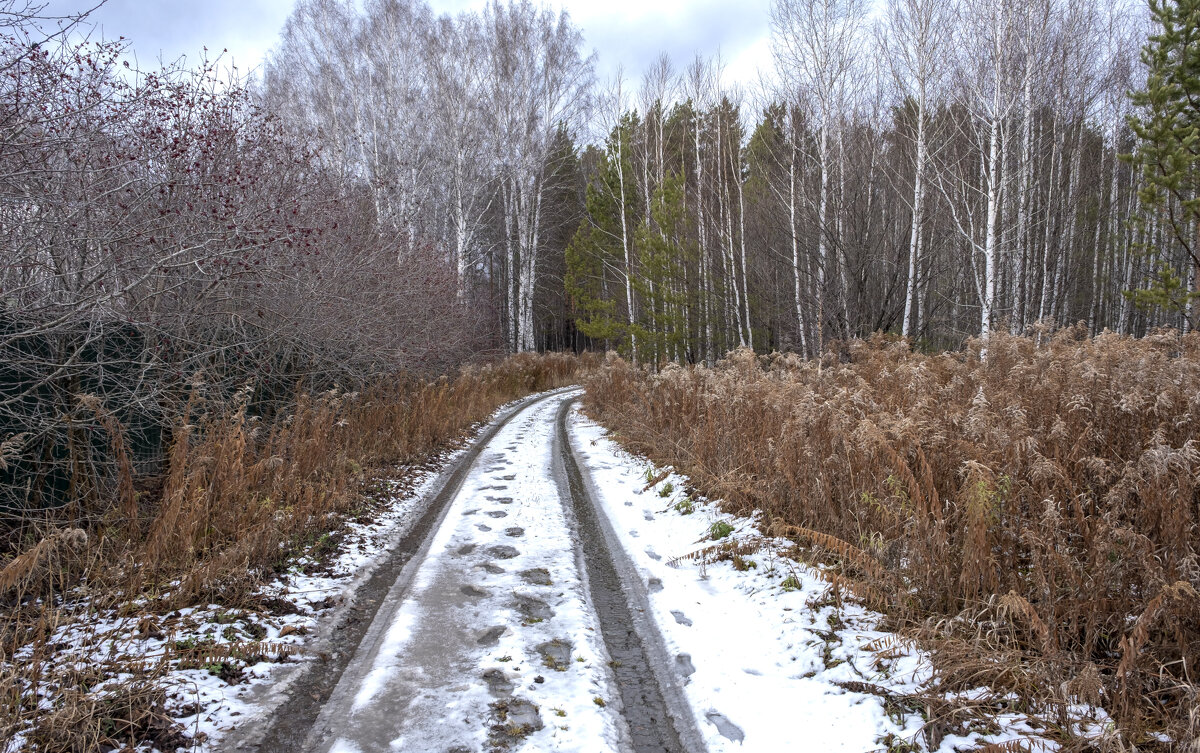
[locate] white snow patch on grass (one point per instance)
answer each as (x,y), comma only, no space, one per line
(768,658)
(205,704)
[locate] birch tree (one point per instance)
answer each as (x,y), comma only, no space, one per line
(539,82)
(984,74)
(814,44)
(914,45)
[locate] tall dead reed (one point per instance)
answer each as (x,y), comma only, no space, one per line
(1036,515)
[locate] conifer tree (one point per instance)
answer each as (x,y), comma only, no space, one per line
(1168,152)
(599,259)
(664,241)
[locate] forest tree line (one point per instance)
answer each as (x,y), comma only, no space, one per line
(936,168)
(400,191)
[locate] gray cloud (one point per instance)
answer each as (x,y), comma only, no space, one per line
(172,28)
(726,27)
(629,33)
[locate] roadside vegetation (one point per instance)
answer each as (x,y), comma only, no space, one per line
(238,498)
(1032,517)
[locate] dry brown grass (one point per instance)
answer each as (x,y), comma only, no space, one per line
(237,498)
(1050,495)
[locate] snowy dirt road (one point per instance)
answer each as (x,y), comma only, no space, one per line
(505,633)
(559,594)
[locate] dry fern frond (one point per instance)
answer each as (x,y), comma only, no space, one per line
(698,555)
(1087,686)
(26,566)
(119,447)
(891,646)
(1132,644)
(1013,603)
(844,549)
(866,688)
(716,552)
(864,592)
(213,654)
(1022,745)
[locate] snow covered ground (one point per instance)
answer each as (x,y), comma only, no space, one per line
(770,661)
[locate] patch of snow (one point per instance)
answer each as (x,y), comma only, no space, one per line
(767,659)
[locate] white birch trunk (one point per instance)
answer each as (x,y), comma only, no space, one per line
(914,241)
(625,247)
(795,233)
(822,245)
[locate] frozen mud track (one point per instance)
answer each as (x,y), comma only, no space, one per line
(630,641)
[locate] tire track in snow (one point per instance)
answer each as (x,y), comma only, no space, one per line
(448,661)
(652,703)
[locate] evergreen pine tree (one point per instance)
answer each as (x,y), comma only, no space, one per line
(1168,152)
(594,258)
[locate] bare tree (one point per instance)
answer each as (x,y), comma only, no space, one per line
(914,44)
(539,82)
(814,44)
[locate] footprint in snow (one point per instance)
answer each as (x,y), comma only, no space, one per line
(489,567)
(497,683)
(503,551)
(514,531)
(683,663)
(497,514)
(466,549)
(647,515)
(653,555)
(681,618)
(655,585)
(633,533)
(532,608)
(469,590)
(491,636)
(538,576)
(556,654)
(482,527)
(727,728)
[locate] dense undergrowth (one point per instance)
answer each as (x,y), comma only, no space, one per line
(1034,517)
(236,500)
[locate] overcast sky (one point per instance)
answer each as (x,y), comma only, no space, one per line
(624,32)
